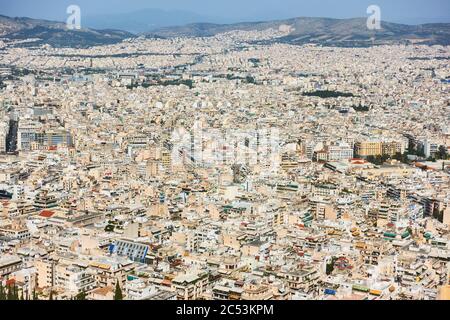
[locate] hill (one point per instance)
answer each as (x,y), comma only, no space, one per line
(56,33)
(325,31)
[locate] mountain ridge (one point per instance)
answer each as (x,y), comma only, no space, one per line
(351,32)
(56,33)
(322,31)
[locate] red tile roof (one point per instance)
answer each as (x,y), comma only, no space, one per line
(46,213)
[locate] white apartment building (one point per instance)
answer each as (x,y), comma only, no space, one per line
(3,135)
(430,148)
(73,278)
(340,151)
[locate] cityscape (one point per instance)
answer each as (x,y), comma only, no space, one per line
(289,159)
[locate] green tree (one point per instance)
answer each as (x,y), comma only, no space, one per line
(421,152)
(15,292)
(330,266)
(81,296)
(410,230)
(118,293)
(10,295)
(109,228)
(2,292)
(442,153)
(361,108)
(402,157)
(250,79)
(35,295)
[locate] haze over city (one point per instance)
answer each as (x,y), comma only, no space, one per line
(401,11)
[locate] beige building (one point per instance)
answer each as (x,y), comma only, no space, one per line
(45,273)
(391,148)
(102,294)
(190,286)
(9,264)
(369,148)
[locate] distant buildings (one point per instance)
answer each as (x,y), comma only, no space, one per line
(198,169)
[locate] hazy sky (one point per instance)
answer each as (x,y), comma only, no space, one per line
(405,11)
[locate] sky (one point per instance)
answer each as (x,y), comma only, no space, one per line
(401,11)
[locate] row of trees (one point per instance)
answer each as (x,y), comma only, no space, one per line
(416,151)
(328,94)
(378,160)
(361,108)
(403,157)
(441,154)
(11,292)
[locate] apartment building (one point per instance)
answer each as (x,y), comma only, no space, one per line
(190,286)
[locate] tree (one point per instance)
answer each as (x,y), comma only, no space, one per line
(442,153)
(15,293)
(2,292)
(330,266)
(81,296)
(421,152)
(51,295)
(410,231)
(250,79)
(361,108)
(402,157)
(10,295)
(109,228)
(118,293)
